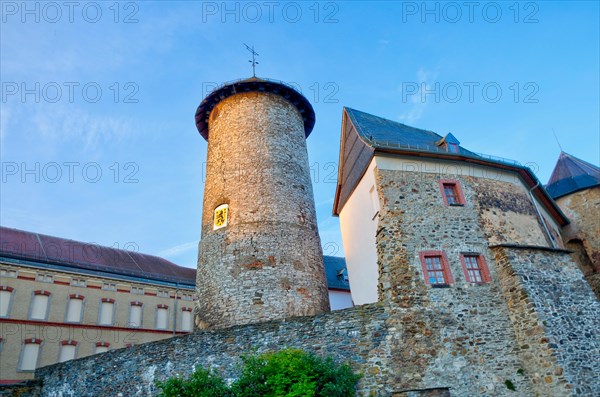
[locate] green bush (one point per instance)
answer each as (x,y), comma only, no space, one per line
(287,373)
(201,383)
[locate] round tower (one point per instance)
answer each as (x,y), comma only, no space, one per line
(260,255)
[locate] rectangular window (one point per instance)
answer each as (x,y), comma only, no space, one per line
(4,272)
(137,290)
(452,192)
(67,351)
(74,308)
(435,268)
(106,312)
(101,347)
(5,300)
(39,305)
(186,319)
(162,293)
(475,268)
(29,354)
(78,282)
(109,287)
(162,317)
(187,297)
(135,314)
(44,278)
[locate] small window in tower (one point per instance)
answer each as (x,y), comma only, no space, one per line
(435,268)
(221,216)
(452,192)
(475,268)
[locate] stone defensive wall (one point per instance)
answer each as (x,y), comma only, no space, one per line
(534,328)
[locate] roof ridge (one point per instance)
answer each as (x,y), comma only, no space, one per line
(36,234)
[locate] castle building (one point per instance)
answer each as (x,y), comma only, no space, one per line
(575,186)
(454,205)
(462,282)
(260,254)
(62,299)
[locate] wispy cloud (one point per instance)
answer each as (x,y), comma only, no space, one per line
(417,104)
(60,124)
(179,249)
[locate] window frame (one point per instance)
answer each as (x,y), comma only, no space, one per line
(161,306)
(48,303)
(187,309)
(11,299)
(26,342)
(457,189)
(101,344)
(68,342)
(6,272)
(44,278)
(484,270)
(141,305)
(449,280)
(69,299)
(114,307)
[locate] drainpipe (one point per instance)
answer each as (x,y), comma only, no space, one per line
(539,214)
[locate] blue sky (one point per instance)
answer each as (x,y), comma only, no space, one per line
(98,141)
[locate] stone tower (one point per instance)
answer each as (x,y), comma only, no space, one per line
(575,186)
(260,255)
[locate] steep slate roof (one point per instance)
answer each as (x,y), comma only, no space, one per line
(571,175)
(336,272)
(365,135)
(380,132)
(29,246)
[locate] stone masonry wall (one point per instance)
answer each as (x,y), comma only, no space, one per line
(582,235)
(556,317)
(459,337)
(267,262)
(358,336)
(582,209)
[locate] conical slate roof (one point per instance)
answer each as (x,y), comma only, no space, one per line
(571,175)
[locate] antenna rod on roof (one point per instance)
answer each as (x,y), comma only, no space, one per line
(253,61)
(555,137)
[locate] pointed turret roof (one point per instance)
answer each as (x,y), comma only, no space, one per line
(571,175)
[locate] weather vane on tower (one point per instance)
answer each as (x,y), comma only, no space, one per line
(253,61)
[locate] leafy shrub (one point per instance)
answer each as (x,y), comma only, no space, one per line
(287,373)
(293,373)
(201,383)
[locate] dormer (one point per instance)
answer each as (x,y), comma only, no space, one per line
(449,143)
